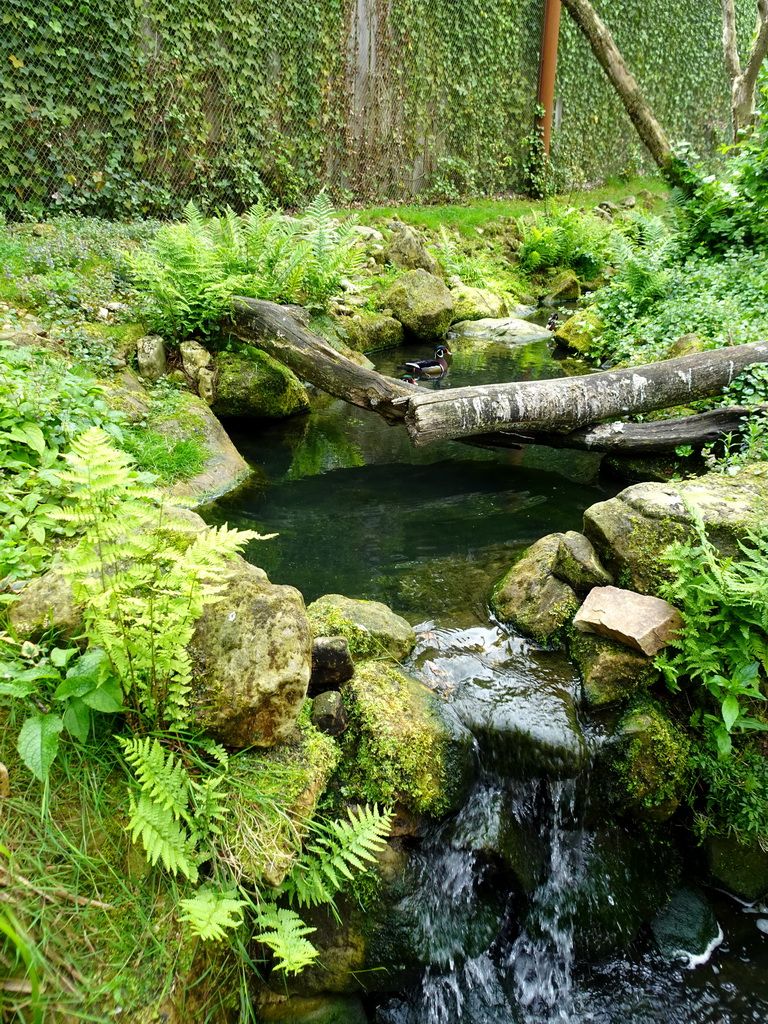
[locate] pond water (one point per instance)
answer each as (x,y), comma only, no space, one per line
(360,512)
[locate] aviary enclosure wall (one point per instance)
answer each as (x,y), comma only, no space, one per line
(131,107)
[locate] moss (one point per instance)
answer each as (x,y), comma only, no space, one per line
(652,763)
(396,748)
(329,621)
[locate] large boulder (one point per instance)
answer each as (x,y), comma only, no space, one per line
(532,599)
(252,657)
(422,304)
(407,251)
(580,331)
(564,287)
(507,329)
(369,332)
(370,628)
(476,303)
(403,744)
(631,531)
(252,383)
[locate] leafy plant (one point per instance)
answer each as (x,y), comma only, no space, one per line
(564,239)
(722,649)
(455,261)
(730,794)
(193,269)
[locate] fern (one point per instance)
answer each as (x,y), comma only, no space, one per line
(163,837)
(211,914)
(454,261)
(340,845)
(162,778)
(284,932)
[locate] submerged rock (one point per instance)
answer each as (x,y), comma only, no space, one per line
(252,383)
(532,599)
(686,928)
(505,329)
(422,304)
(370,628)
(404,744)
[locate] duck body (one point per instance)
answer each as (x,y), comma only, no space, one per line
(436,367)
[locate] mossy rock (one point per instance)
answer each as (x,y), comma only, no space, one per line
(337,1009)
(650,763)
(272,796)
(252,383)
(580,331)
(611,673)
(369,332)
(577,564)
(339,332)
(740,867)
(407,250)
(477,303)
(422,304)
(532,599)
(631,531)
(564,287)
(403,744)
(686,926)
(684,346)
(370,628)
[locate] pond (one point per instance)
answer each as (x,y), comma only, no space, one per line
(360,512)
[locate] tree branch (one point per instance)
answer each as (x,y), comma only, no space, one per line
(730,46)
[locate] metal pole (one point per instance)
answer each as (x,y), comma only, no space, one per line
(547,66)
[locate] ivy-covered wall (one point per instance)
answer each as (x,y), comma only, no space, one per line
(675,52)
(126,107)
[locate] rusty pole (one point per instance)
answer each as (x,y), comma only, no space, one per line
(547,65)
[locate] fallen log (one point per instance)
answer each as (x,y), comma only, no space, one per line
(559,413)
(563,404)
(280,335)
(657,438)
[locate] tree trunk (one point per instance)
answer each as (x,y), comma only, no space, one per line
(635,104)
(657,438)
(743,84)
(566,403)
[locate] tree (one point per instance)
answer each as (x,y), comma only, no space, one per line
(648,128)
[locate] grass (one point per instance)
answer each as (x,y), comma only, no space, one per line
(476,213)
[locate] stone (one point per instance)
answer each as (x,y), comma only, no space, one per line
(150,353)
(323,1009)
(404,744)
(477,304)
(46,603)
(369,332)
(532,599)
(407,251)
(329,714)
(332,663)
(422,304)
(370,627)
(686,928)
(251,654)
(611,673)
(577,564)
(740,867)
(684,345)
(644,623)
(629,202)
(648,757)
(506,329)
(580,331)
(564,287)
(368,233)
(252,383)
(631,531)
(205,385)
(193,358)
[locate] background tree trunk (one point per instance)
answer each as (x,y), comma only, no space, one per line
(743,84)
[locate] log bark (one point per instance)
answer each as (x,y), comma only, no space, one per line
(565,403)
(280,335)
(622,80)
(658,438)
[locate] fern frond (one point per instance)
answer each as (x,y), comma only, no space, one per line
(162,777)
(163,837)
(211,914)
(285,933)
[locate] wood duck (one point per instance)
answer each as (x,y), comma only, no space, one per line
(408,378)
(552,322)
(436,367)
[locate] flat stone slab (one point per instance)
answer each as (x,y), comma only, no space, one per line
(644,623)
(507,328)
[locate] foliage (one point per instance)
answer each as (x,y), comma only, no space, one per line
(722,649)
(565,238)
(455,261)
(730,794)
(212,914)
(732,452)
(193,269)
(452,180)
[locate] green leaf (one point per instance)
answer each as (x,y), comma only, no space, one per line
(38,743)
(107,698)
(61,655)
(29,434)
(77,719)
(730,711)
